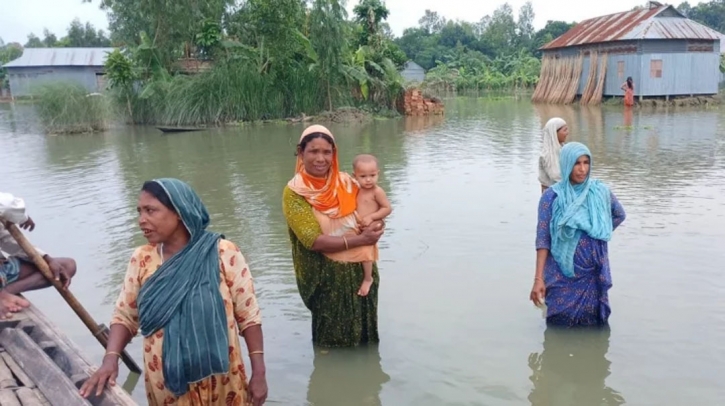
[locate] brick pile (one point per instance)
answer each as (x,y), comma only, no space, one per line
(414,104)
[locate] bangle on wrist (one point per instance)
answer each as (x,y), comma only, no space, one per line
(113,353)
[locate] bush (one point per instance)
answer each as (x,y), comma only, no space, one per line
(67,108)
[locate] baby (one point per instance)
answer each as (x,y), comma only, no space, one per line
(372,206)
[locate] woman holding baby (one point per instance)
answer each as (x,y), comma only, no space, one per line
(329,245)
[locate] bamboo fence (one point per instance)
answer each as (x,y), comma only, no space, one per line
(597,98)
(560,77)
(559,80)
(591,79)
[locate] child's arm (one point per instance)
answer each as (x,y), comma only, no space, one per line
(385,208)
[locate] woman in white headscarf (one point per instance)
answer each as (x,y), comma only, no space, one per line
(555,133)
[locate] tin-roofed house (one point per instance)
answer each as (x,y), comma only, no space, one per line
(665,53)
(413,73)
(43,65)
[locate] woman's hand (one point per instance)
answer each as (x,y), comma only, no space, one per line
(370,235)
(107,373)
(538,292)
(257,389)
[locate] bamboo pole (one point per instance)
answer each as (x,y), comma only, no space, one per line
(598,92)
(562,77)
(98,331)
(591,79)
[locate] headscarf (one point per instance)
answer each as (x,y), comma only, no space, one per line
(335,196)
(550,149)
(582,208)
(183,298)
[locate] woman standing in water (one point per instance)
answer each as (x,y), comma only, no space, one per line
(190,293)
(319,204)
(628,88)
(576,219)
(555,133)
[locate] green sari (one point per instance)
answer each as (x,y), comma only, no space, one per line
(340,318)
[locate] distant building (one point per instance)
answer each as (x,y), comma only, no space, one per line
(43,65)
(412,72)
(665,53)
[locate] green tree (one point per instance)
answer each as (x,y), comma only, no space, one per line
(172,26)
(85,36)
(431,22)
(711,14)
(370,14)
(33,41)
(269,25)
(77,36)
(525,26)
(500,32)
(551,31)
(8,52)
(327,33)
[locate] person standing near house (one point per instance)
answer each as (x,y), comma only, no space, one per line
(628,88)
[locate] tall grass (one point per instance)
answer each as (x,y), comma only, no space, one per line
(233,91)
(67,108)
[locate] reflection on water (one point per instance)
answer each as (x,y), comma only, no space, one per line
(572,369)
(353,377)
(457,259)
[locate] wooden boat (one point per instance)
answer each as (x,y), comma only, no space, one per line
(179,129)
(39,365)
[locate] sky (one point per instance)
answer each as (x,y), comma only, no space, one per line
(21,17)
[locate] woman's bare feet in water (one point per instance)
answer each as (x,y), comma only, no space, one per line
(10,304)
(365,287)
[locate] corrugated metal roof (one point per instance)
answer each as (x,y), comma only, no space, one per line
(634,25)
(60,57)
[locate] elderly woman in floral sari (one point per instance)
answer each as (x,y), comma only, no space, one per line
(191,294)
(319,203)
(576,219)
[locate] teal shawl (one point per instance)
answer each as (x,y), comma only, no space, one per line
(183,298)
(584,208)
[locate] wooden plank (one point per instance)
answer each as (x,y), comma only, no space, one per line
(17,371)
(78,363)
(40,396)
(7,380)
(51,380)
(8,398)
(28,397)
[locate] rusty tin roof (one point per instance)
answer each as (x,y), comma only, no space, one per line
(33,57)
(634,25)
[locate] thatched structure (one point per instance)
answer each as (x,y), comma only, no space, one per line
(560,77)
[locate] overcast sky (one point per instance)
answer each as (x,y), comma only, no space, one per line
(21,17)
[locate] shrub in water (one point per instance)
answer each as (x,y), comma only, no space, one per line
(67,108)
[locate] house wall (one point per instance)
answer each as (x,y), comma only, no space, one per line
(684,72)
(23,80)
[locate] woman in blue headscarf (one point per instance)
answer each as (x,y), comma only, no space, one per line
(576,219)
(191,294)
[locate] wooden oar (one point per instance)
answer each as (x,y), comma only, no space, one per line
(99,331)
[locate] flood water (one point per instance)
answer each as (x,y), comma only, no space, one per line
(457,260)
